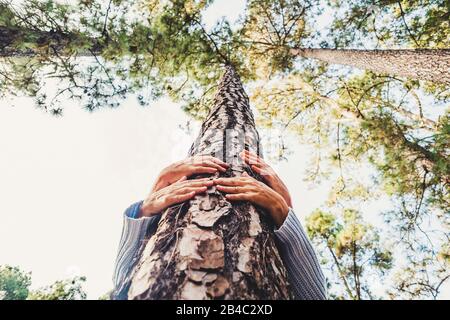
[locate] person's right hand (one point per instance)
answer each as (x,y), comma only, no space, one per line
(188,167)
(178,192)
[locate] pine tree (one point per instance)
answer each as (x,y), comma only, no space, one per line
(208,248)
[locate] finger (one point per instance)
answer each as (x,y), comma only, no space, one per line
(190,189)
(244,155)
(254,160)
(249,178)
(268,175)
(195,183)
(240,196)
(174,199)
(183,178)
(260,171)
(203,158)
(213,165)
(202,169)
(218,161)
(231,181)
(232,189)
(185,181)
(251,154)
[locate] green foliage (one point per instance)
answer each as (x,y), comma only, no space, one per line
(6,16)
(270,29)
(106,296)
(14,283)
(372,121)
(410,23)
(425,272)
(61,290)
(353,250)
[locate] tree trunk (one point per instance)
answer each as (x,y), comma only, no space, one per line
(209,248)
(21,42)
(422,64)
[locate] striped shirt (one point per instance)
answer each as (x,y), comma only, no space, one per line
(296,251)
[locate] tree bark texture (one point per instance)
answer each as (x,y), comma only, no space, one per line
(422,64)
(209,248)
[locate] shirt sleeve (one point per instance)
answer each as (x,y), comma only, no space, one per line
(133,233)
(304,271)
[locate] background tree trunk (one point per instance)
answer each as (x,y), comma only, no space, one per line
(422,64)
(208,248)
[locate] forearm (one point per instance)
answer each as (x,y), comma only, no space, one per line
(304,271)
(133,233)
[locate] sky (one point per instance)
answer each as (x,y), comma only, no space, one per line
(66,181)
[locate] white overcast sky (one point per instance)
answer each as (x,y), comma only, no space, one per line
(65,182)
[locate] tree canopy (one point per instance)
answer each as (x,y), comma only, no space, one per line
(15,285)
(99,52)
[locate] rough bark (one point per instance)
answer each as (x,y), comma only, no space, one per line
(422,64)
(20,42)
(209,248)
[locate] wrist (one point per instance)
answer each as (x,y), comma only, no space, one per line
(147,210)
(280,211)
(281,189)
(277,184)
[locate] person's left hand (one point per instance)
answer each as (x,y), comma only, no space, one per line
(246,188)
(269,175)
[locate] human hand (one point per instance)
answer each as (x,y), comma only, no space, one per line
(188,167)
(246,188)
(178,192)
(269,176)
